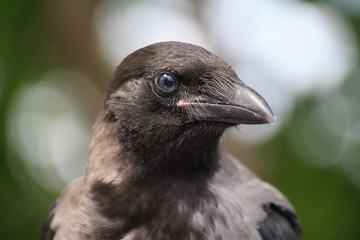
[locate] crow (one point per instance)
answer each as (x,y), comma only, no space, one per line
(156,169)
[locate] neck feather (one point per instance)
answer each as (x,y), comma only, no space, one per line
(115,155)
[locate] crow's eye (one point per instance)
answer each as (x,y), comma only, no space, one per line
(166,82)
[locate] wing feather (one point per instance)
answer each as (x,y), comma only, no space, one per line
(280,224)
(47,232)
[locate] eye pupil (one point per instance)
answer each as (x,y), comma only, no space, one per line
(166,82)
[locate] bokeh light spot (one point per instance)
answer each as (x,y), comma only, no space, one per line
(49,127)
(124,27)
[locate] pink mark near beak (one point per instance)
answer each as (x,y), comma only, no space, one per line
(181,103)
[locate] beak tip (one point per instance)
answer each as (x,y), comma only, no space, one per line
(271,119)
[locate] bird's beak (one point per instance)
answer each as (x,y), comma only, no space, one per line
(247,107)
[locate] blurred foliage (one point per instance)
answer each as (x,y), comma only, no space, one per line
(23,59)
(326,200)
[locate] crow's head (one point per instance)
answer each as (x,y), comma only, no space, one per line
(176,96)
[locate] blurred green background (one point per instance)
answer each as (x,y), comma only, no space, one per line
(56,58)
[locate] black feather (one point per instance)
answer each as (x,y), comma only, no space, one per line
(280,224)
(47,232)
